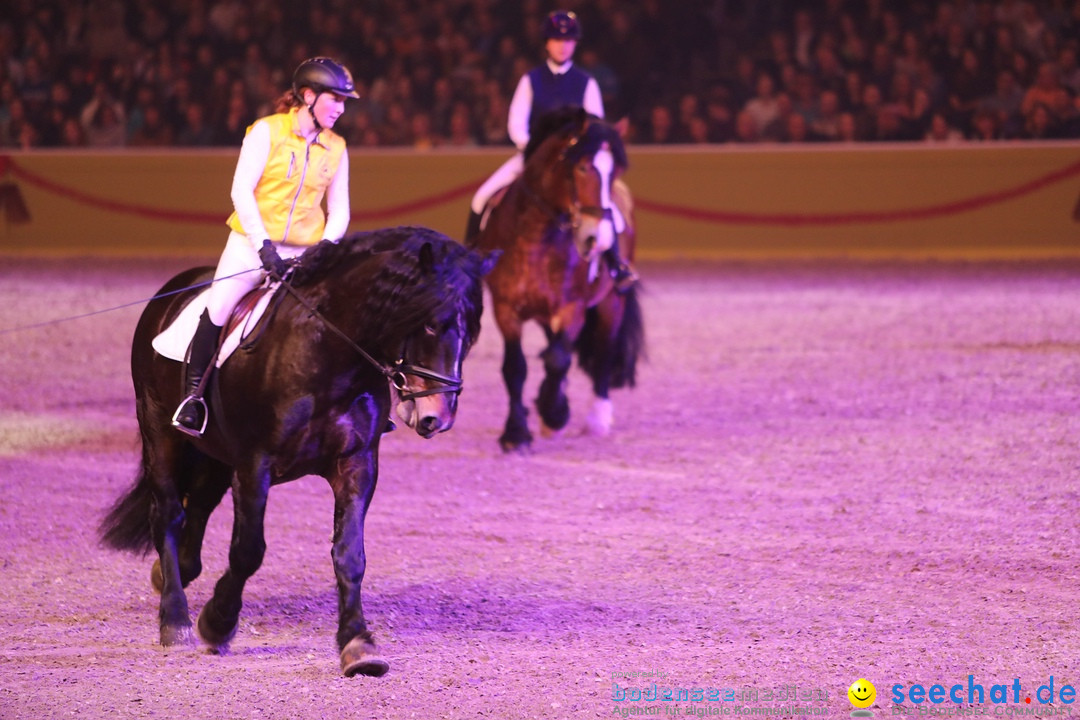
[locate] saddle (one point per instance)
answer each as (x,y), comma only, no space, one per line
(173,341)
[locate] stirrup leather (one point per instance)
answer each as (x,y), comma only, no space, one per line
(200,403)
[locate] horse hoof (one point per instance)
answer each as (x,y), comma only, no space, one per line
(156,579)
(217,643)
(177,636)
(519,447)
(360,657)
(551,433)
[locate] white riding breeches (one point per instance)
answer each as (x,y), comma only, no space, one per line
(502,177)
(239,271)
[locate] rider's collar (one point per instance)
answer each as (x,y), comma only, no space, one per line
(295,112)
(557,69)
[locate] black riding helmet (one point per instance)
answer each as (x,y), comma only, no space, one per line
(562,25)
(322,74)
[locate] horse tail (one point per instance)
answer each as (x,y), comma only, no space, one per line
(624,351)
(127,525)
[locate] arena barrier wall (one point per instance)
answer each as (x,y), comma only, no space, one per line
(1000,200)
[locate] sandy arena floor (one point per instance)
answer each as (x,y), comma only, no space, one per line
(828,471)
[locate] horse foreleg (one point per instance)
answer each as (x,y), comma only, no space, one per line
(220,616)
(353,485)
(516,435)
(551,402)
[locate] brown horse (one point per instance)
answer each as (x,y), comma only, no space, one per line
(549,225)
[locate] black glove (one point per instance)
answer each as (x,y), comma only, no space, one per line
(271,261)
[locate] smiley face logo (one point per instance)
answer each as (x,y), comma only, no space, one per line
(862,693)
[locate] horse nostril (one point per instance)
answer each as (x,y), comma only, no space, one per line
(429,425)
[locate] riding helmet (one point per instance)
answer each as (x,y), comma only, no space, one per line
(562,25)
(322,74)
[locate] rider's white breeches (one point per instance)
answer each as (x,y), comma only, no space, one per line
(239,271)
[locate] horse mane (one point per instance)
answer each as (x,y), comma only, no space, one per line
(397,289)
(566,120)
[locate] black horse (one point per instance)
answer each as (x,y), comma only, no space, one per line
(387,313)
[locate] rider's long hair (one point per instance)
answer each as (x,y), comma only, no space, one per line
(287,101)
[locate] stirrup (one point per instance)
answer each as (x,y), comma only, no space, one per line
(200,403)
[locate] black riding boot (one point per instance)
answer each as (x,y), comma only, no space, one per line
(624,275)
(472,227)
(191,416)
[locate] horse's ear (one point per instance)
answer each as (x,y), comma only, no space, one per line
(488,263)
(427,259)
(622,126)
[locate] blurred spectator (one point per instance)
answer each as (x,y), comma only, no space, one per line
(420,59)
(985,125)
(195,131)
(661,125)
(941,131)
(763,107)
(102,119)
(746,130)
(153,131)
(1047,91)
(1039,124)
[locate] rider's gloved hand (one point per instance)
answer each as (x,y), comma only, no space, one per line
(271,261)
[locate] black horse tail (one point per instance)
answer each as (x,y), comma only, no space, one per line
(127,525)
(628,345)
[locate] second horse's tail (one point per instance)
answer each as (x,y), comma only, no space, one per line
(627,346)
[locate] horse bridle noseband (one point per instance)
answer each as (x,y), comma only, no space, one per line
(398,373)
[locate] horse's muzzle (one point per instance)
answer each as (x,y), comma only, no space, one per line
(429,415)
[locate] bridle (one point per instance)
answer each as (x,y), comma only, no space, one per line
(398,373)
(570,218)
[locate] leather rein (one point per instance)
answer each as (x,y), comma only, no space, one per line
(397,373)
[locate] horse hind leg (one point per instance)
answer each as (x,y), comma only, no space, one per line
(151,515)
(211,479)
(166,526)
(608,347)
(551,402)
(220,616)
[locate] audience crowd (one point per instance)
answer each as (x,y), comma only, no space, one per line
(141,73)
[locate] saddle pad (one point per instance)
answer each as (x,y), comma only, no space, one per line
(174,340)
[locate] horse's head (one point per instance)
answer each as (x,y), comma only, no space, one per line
(570,163)
(412,299)
(427,378)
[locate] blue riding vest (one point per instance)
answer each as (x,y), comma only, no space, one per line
(551,91)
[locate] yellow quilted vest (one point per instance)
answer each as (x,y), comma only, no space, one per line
(291,189)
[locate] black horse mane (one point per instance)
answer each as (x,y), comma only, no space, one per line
(407,287)
(567,120)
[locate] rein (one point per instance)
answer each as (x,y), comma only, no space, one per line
(397,373)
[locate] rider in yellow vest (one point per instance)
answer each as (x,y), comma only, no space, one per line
(288,163)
